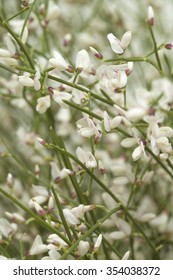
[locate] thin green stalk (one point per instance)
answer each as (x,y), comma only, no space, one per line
(16,15)
(27,17)
(155,48)
(66,226)
(73,247)
(82,109)
(158,48)
(84,89)
(58,141)
(160,162)
(134,59)
(9,69)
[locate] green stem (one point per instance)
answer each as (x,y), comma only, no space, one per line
(155,48)
(61,214)
(82,109)
(134,59)
(58,141)
(27,17)
(22,11)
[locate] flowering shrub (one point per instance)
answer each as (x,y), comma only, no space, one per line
(86,130)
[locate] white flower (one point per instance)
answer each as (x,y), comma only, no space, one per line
(119,46)
(135,114)
(6,228)
(70,217)
(51,203)
(43,103)
(83,248)
(86,157)
(59,96)
(82,60)
(55,239)
(38,247)
(88,127)
(53,255)
(111,124)
(58,174)
(15,217)
(8,61)
(78,211)
(112,76)
(59,62)
(25,80)
(98,242)
(139,151)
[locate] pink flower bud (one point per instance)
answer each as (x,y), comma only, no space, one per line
(169,46)
(96,53)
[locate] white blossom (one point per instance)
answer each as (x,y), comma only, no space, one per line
(119,46)
(83,248)
(38,247)
(43,103)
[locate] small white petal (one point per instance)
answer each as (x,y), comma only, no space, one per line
(135,114)
(90,160)
(37,247)
(70,217)
(115,122)
(8,61)
(150,15)
(98,242)
(147,217)
(116,235)
(26,81)
(43,103)
(106,122)
(4,53)
(128,142)
(24,35)
(10,45)
(82,60)
(58,62)
(137,153)
(125,41)
(83,247)
(115,44)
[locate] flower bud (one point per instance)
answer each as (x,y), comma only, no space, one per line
(96,53)
(169,46)
(98,242)
(150,16)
